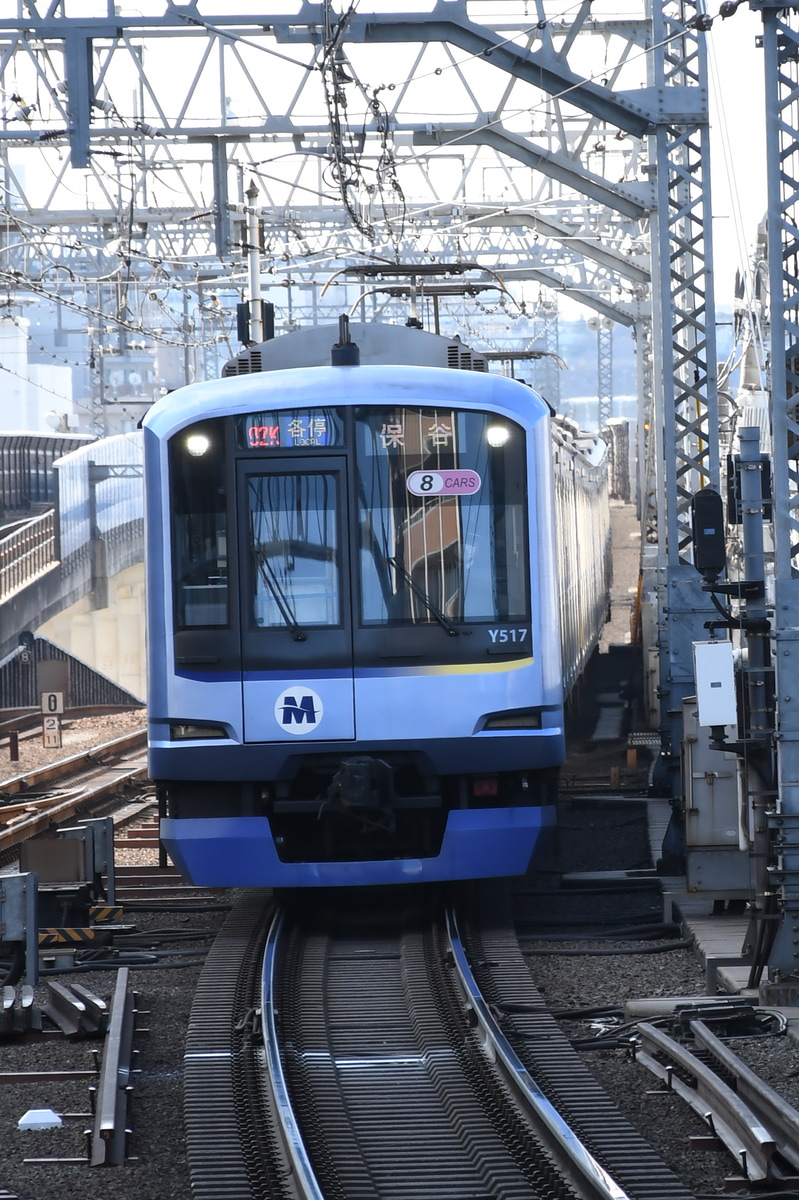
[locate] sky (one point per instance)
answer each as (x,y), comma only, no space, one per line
(737,144)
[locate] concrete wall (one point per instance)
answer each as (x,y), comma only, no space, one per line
(112,639)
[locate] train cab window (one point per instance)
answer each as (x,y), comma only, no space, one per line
(294,549)
(199,504)
(442,498)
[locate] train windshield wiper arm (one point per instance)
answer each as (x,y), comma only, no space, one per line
(443,621)
(281,600)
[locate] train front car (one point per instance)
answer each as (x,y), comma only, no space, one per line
(355,672)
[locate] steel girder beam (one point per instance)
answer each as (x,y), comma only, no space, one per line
(604,371)
(80,87)
(636,112)
(629,200)
(137,249)
(595,246)
(128,152)
(553,153)
(545,67)
(781,47)
(161,248)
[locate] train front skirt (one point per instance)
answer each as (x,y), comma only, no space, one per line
(240,852)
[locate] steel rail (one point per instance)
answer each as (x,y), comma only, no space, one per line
(109,1132)
(21,827)
(574,1160)
(745,1129)
(66,766)
(779,1117)
(289,1133)
(572,1156)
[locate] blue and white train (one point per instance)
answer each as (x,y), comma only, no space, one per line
(357,582)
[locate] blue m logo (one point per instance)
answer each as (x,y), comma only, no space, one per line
(298,713)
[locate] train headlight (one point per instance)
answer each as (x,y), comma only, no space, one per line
(516,718)
(185,732)
(197,444)
(497,435)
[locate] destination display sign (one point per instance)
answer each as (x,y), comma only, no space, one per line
(294,429)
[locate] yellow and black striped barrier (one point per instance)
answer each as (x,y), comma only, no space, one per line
(66,937)
(101,913)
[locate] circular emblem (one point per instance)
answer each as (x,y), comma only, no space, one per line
(298,710)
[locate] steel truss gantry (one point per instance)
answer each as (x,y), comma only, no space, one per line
(682,453)
(168,115)
(781,49)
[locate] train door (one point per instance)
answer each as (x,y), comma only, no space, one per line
(297,654)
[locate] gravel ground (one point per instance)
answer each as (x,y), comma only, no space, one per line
(77,734)
(157,1167)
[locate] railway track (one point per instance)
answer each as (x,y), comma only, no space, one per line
(758,1128)
(84,784)
(80,914)
(354,1000)
(386,1072)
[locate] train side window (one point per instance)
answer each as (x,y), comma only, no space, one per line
(199,503)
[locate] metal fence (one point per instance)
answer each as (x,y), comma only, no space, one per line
(26,553)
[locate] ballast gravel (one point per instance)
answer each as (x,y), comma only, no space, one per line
(77,735)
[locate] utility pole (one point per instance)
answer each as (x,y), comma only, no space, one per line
(254,266)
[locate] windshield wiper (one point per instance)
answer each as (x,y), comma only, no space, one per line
(443,621)
(281,600)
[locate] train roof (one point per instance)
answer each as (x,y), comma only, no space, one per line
(294,371)
(377,342)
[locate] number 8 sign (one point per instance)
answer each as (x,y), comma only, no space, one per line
(443,483)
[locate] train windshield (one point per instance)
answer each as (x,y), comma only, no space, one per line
(293,522)
(442,516)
